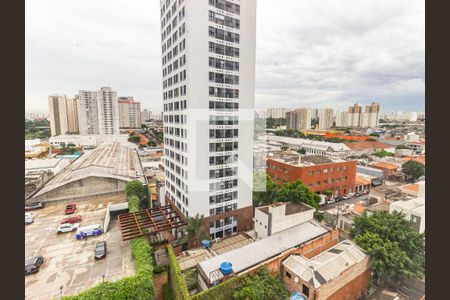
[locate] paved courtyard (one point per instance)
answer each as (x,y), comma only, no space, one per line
(68,262)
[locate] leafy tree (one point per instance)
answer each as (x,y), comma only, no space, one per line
(402,146)
(195,230)
(371,140)
(413,169)
(135,187)
(134,139)
(383,153)
(297,192)
(374,134)
(265,190)
(302,151)
(328,192)
(151,143)
(396,248)
(261,286)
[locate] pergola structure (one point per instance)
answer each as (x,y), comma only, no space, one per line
(149,222)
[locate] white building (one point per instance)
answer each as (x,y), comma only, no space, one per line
(208,67)
(58,114)
(129,113)
(88,141)
(342,119)
(53,165)
(299,119)
(326,118)
(98,112)
(414,211)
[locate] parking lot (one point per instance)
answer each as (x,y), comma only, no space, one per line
(69,262)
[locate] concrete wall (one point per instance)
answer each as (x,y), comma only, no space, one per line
(261,224)
(285,222)
(86,187)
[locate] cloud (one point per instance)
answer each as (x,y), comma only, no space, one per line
(309,53)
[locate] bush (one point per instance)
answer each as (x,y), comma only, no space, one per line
(177,284)
(166,292)
(158,269)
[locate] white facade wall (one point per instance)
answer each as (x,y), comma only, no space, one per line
(189,187)
(58,114)
(88,113)
(108,111)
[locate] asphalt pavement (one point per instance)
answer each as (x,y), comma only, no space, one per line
(349,201)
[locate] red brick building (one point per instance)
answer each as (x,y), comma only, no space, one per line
(318,173)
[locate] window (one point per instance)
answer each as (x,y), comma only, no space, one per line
(305,290)
(288,275)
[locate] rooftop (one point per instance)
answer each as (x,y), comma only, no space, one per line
(416,205)
(326,266)
(392,193)
(112,160)
(295,159)
(361,180)
(337,147)
(384,165)
(47,163)
(291,207)
(367,145)
(264,249)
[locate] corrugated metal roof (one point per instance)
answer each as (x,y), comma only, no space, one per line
(259,251)
(327,265)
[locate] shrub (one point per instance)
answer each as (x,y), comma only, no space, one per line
(166,292)
(158,269)
(177,284)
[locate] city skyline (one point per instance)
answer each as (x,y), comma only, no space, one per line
(339,58)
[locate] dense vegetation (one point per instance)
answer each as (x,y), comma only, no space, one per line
(316,137)
(37,129)
(397,250)
(413,169)
(383,153)
(261,286)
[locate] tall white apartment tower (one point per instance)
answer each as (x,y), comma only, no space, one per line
(326,116)
(57,107)
(208,68)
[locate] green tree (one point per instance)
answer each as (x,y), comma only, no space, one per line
(302,151)
(265,190)
(397,250)
(135,187)
(402,146)
(328,192)
(195,230)
(261,286)
(134,139)
(371,140)
(297,192)
(413,169)
(383,153)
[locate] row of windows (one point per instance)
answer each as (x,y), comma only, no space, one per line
(223,64)
(224,50)
(180,171)
(223,133)
(223,106)
(223,35)
(174,52)
(178,183)
(177,105)
(226,5)
(223,197)
(180,77)
(330,180)
(223,78)
(221,210)
(166,5)
(223,120)
(223,233)
(174,66)
(178,132)
(173,39)
(176,92)
(174,23)
(175,144)
(223,93)
(177,119)
(326,170)
(223,185)
(176,156)
(225,146)
(222,160)
(219,173)
(224,20)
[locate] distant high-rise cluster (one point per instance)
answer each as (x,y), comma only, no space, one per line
(299,119)
(129,113)
(363,119)
(63,115)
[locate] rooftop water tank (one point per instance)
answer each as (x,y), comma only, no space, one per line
(296,296)
(206,244)
(226,268)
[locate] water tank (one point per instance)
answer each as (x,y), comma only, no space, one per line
(226,268)
(296,296)
(206,244)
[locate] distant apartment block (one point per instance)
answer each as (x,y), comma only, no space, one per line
(72,114)
(326,116)
(318,173)
(129,113)
(146,115)
(363,119)
(298,119)
(98,112)
(57,105)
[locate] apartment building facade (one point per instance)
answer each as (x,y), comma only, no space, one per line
(299,119)
(208,68)
(318,173)
(72,114)
(364,119)
(326,117)
(57,105)
(129,113)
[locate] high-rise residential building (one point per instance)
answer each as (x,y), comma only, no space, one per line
(129,113)
(367,119)
(72,114)
(208,68)
(98,112)
(298,119)
(146,115)
(276,113)
(342,119)
(326,116)
(57,107)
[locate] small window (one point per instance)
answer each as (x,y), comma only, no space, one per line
(305,290)
(288,275)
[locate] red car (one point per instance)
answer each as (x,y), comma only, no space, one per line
(70,209)
(72,219)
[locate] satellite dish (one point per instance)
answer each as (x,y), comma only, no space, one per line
(296,279)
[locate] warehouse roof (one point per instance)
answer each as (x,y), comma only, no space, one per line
(307,143)
(327,265)
(264,249)
(112,160)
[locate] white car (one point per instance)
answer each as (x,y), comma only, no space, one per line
(29,218)
(332,200)
(67,227)
(346,197)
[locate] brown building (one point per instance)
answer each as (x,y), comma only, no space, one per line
(387,168)
(341,272)
(317,172)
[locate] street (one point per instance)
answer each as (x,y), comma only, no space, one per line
(349,201)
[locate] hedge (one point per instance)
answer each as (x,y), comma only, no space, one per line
(177,283)
(137,287)
(223,291)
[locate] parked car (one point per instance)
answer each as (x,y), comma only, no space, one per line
(34,205)
(86,231)
(67,227)
(72,219)
(337,199)
(33,265)
(29,218)
(357,194)
(70,209)
(331,200)
(100,250)
(346,197)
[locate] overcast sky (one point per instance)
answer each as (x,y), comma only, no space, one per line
(311,53)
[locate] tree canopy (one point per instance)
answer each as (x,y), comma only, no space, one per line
(413,169)
(195,230)
(261,286)
(396,248)
(135,187)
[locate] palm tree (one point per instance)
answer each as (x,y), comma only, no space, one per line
(194,229)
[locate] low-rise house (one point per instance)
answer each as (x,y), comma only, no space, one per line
(362,183)
(387,168)
(341,272)
(367,147)
(414,211)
